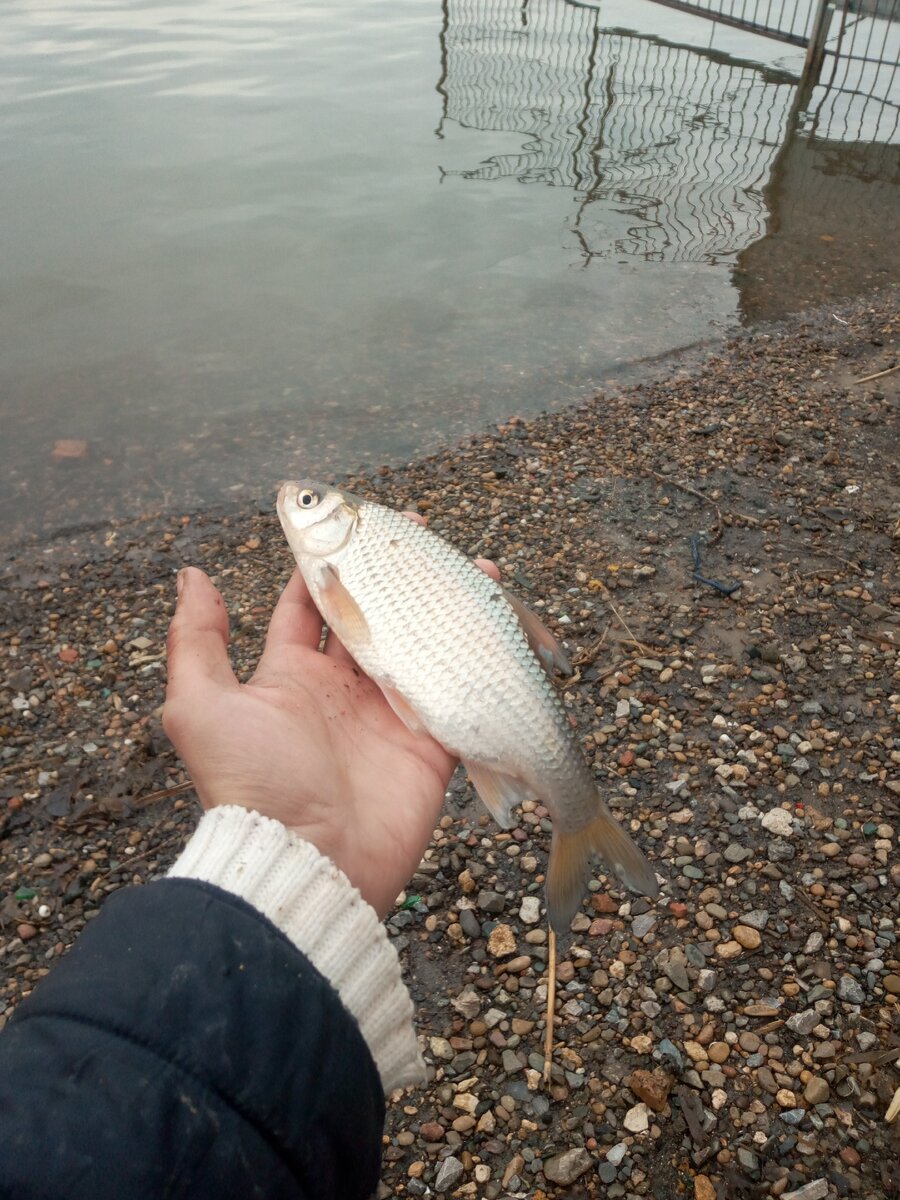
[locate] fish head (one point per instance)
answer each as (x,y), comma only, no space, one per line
(317,520)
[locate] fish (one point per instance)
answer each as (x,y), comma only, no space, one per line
(461,658)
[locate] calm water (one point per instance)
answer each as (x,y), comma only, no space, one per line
(245,240)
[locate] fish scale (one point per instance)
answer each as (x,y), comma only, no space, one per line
(455,655)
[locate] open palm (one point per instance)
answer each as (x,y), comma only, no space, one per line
(309,741)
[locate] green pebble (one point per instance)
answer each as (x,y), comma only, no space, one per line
(93,663)
(25,893)
(840,823)
(870,829)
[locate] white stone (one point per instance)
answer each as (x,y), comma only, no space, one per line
(778,821)
(530,910)
(637,1119)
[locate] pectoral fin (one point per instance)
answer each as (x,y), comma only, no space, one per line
(548,650)
(341,610)
(402,709)
(570,856)
(499,793)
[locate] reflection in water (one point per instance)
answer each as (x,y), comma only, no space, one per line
(672,151)
(666,148)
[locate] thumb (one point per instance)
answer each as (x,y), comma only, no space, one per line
(197,647)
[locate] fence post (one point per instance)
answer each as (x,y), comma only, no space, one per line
(815,47)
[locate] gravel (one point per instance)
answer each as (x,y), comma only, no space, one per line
(738,1038)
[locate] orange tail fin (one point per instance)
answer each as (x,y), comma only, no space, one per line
(570,857)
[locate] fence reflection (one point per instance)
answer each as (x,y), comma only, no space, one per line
(669,149)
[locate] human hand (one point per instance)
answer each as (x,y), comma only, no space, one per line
(309,741)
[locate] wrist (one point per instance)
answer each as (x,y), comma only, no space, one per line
(314,904)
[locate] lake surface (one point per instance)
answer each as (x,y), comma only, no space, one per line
(246,241)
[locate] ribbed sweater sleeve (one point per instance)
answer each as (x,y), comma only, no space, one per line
(314,904)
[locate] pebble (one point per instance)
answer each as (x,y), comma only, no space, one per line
(652,1087)
(850,990)
(501,942)
(565,1168)
(530,910)
(778,821)
(448,1174)
(804,1022)
(747,936)
(817,1189)
(637,1119)
(816,1090)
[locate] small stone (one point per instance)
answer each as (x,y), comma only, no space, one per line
(517,965)
(448,1175)
(816,1091)
(815,1190)
(703,1188)
(530,910)
(431,1131)
(637,1119)
(778,821)
(728,950)
(850,991)
(616,1153)
(803,1022)
(491,902)
(719,1051)
(502,941)
(734,853)
(470,924)
(26,931)
(641,925)
(747,936)
(565,1168)
(786,1098)
(467,1003)
(652,1087)
(891,982)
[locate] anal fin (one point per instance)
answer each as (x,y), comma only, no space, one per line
(500,793)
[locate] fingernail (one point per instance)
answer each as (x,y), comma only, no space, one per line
(180,580)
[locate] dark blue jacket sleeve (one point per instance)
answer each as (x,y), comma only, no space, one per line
(185,1048)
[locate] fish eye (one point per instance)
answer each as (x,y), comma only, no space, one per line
(307,498)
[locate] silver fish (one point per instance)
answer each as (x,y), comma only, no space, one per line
(455,654)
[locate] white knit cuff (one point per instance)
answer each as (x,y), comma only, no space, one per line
(316,906)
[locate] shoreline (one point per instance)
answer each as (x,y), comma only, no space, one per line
(759,995)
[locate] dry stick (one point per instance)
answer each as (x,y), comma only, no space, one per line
(551,1007)
(878,374)
(622,621)
(683,487)
(163,794)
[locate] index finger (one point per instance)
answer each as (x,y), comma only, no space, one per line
(295,622)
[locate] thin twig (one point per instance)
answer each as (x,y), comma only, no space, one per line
(878,374)
(163,794)
(622,620)
(683,487)
(551,1007)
